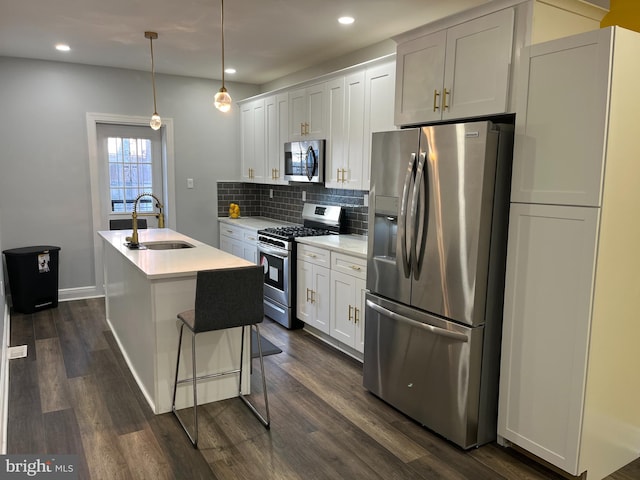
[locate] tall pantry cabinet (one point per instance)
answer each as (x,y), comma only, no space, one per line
(570,373)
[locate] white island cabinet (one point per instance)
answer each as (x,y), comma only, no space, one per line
(145,290)
(569,383)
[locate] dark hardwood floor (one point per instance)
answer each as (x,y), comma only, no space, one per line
(73,394)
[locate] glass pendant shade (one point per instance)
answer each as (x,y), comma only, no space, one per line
(156,121)
(222,100)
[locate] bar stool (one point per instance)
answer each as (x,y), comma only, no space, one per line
(225,298)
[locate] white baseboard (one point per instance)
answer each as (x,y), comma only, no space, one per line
(4,380)
(79,293)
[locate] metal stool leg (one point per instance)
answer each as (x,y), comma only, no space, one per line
(194,439)
(266,422)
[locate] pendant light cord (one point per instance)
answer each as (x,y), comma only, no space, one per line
(153,78)
(222,36)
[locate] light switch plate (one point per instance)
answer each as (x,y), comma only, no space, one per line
(189,182)
(304,196)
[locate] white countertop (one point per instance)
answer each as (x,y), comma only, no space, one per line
(355,245)
(253,223)
(171,263)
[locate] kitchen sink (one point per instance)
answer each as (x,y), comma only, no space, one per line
(166,245)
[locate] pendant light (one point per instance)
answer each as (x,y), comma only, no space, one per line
(222,100)
(156,121)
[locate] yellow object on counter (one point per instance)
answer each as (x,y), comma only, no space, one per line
(234,210)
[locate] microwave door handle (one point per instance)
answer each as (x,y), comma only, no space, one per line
(402,221)
(443,332)
(417,257)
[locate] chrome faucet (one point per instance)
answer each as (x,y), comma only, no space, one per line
(133,239)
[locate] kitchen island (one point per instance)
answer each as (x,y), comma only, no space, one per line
(145,289)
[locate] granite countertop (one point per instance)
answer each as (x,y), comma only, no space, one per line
(170,263)
(355,245)
(253,223)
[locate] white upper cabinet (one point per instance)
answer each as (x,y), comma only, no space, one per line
(359,104)
(308,113)
(252,148)
(561,161)
(277,129)
(455,73)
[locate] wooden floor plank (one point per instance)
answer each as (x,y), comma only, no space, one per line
(44,324)
(144,456)
(25,428)
(76,358)
(54,393)
(99,439)
(63,438)
(124,410)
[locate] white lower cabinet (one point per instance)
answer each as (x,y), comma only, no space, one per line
(312,287)
(347,309)
(239,241)
(552,252)
(330,296)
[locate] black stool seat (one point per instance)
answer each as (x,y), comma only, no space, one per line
(225,298)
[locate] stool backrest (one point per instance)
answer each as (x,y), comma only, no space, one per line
(230,297)
(126,223)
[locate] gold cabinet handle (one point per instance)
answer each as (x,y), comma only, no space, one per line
(301,128)
(313,296)
(356,319)
(306,128)
(308,294)
(343,172)
(436,94)
(350,315)
(356,267)
(446,105)
(276,173)
(338,175)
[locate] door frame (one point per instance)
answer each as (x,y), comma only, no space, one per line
(168,173)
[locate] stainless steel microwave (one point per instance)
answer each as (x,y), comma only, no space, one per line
(304,161)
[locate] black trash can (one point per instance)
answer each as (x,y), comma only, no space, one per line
(33,277)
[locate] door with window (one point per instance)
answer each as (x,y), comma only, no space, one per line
(130,164)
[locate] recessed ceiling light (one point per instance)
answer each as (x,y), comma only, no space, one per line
(62,47)
(346,20)
(230,70)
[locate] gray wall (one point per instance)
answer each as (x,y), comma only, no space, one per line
(45,195)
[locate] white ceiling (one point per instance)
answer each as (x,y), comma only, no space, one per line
(264,39)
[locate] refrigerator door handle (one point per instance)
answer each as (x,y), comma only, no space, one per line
(417,257)
(402,221)
(461,337)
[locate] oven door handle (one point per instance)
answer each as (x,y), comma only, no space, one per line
(273,251)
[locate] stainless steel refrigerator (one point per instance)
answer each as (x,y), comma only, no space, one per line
(438,212)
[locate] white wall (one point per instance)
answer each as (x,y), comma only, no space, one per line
(45,193)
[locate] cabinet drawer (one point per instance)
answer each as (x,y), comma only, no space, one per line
(249,236)
(317,256)
(232,231)
(350,265)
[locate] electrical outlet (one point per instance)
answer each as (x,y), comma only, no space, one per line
(304,196)
(189,182)
(271,193)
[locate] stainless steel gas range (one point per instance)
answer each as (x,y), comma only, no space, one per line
(277,255)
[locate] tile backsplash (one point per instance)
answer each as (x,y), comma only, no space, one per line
(286,204)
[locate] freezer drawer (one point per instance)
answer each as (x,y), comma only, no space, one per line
(426,367)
